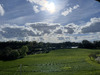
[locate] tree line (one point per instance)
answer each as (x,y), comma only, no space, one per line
(18,49)
(89,45)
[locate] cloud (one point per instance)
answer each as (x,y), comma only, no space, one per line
(39,2)
(92,26)
(51,32)
(88,36)
(43,5)
(13,31)
(44,28)
(46,32)
(59,31)
(69,10)
(76,6)
(71,28)
(1,10)
(35,8)
(33,31)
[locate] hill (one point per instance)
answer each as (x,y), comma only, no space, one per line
(57,62)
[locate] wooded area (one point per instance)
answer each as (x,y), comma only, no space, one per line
(18,49)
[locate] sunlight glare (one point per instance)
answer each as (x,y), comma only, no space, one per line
(50,7)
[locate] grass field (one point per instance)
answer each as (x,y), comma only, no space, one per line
(57,62)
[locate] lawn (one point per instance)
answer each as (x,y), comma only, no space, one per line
(57,62)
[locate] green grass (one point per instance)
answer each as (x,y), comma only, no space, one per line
(57,62)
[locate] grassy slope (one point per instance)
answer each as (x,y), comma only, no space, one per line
(58,62)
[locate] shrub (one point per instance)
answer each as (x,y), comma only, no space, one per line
(92,55)
(14,54)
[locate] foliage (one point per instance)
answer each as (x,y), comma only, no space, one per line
(25,47)
(92,56)
(10,54)
(89,45)
(14,54)
(23,51)
(5,53)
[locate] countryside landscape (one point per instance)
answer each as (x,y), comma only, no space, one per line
(32,58)
(65,61)
(49,37)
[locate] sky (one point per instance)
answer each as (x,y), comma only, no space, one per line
(49,20)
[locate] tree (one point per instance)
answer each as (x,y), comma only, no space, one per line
(14,54)
(32,46)
(5,53)
(87,44)
(23,51)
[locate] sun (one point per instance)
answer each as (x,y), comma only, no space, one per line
(50,7)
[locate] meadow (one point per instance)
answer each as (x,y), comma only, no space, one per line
(56,62)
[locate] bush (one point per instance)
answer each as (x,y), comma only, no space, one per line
(14,54)
(92,55)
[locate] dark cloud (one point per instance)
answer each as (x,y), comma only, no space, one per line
(45,28)
(61,38)
(16,32)
(59,31)
(33,30)
(69,30)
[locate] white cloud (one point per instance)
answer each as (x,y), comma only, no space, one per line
(35,8)
(69,10)
(1,10)
(91,27)
(38,2)
(75,7)
(43,5)
(65,13)
(89,36)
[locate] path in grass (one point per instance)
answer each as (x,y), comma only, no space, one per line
(57,62)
